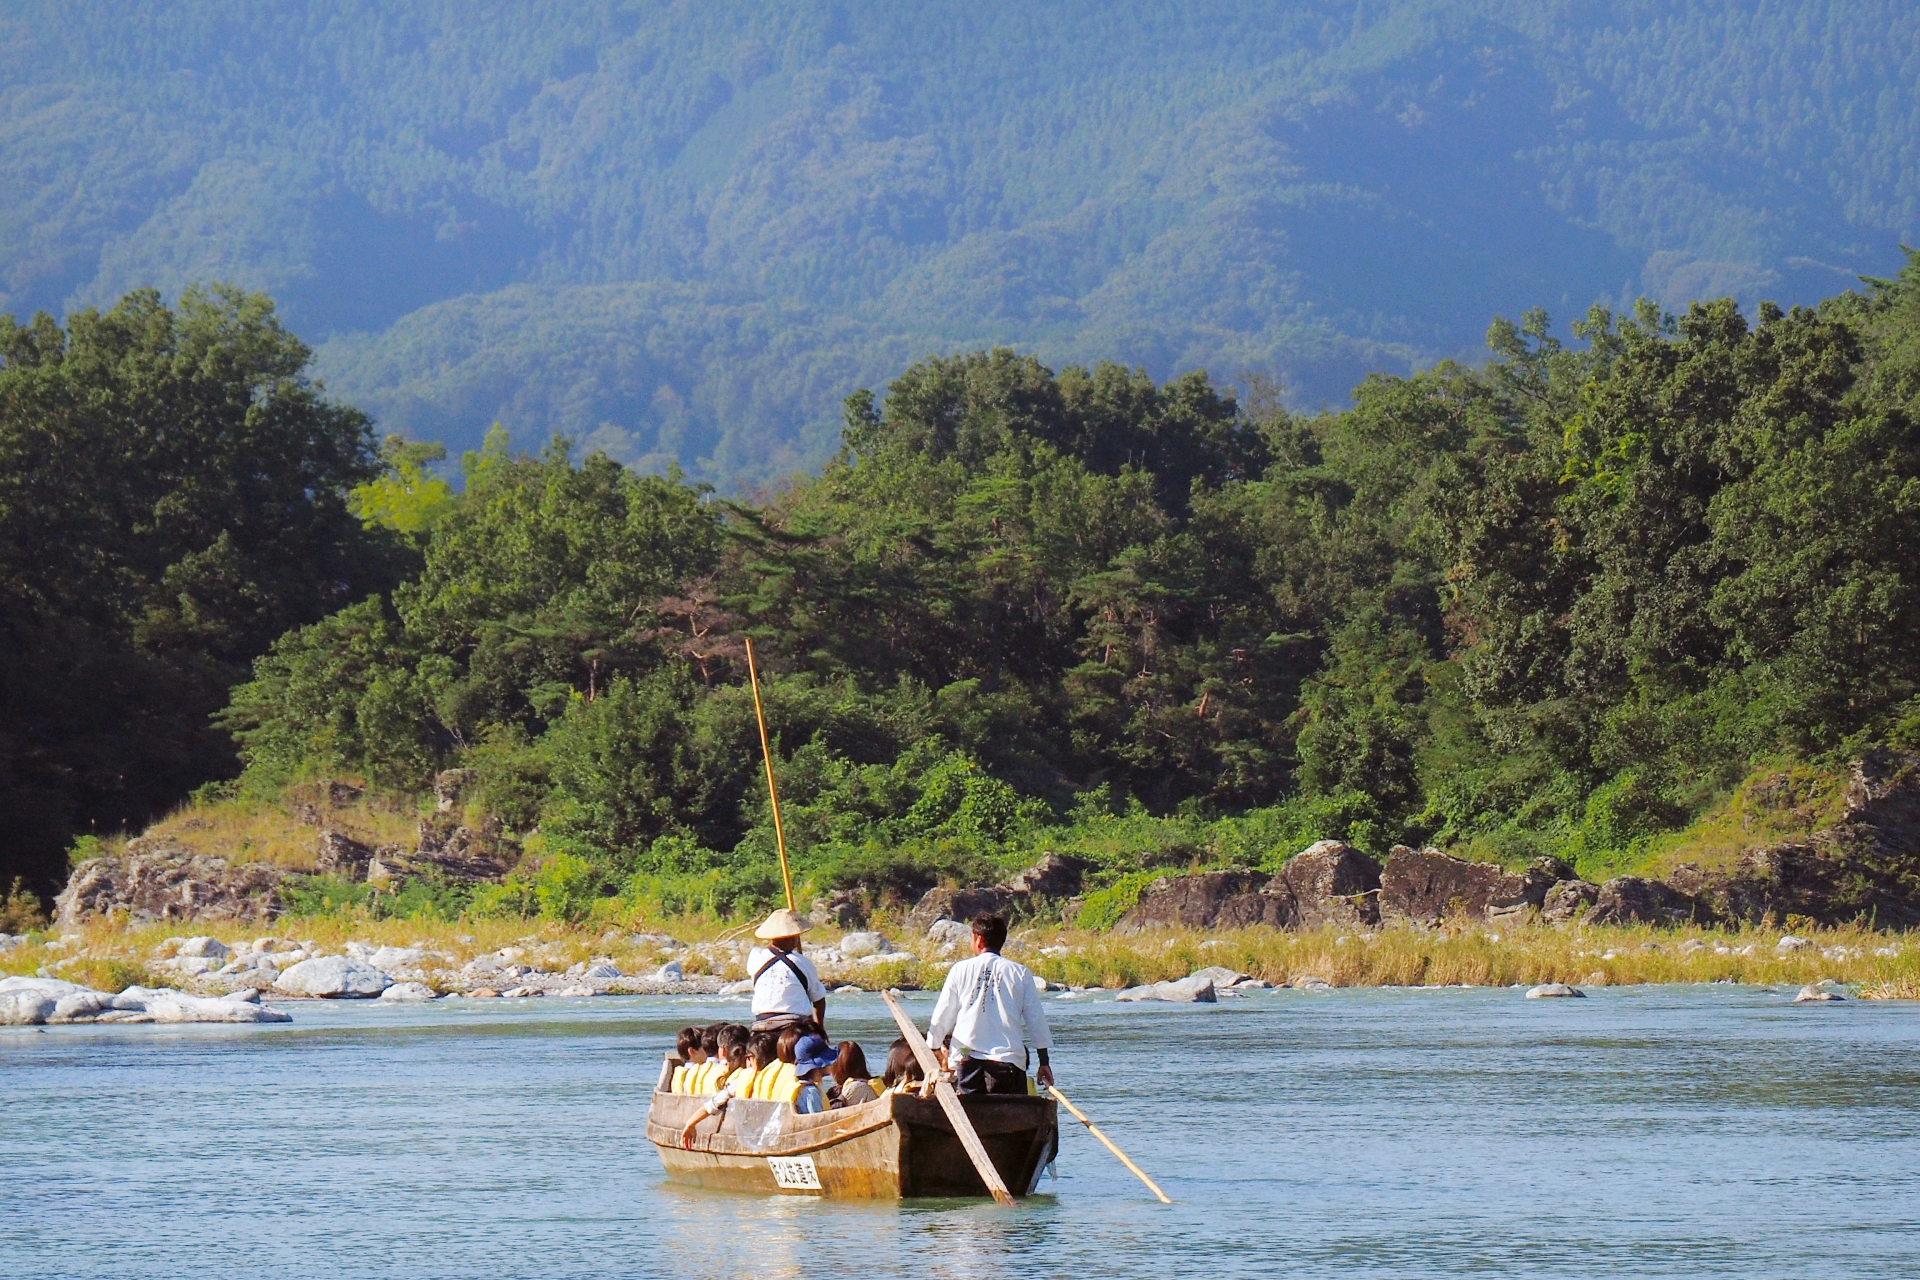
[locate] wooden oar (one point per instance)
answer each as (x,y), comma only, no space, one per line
(1107,1142)
(950,1103)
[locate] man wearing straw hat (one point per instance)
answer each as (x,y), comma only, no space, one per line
(786,987)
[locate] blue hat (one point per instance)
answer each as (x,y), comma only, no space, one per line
(812,1053)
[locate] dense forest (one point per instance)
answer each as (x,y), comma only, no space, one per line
(680,233)
(1552,604)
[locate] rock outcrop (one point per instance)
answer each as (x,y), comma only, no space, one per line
(333,977)
(1206,900)
(1426,886)
(1329,883)
(1637,900)
(1194,990)
(33,1001)
(1054,876)
(158,879)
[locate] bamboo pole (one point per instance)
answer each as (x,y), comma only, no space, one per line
(950,1103)
(773,797)
(1107,1142)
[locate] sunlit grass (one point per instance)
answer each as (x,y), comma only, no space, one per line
(248,830)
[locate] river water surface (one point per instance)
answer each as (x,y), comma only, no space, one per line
(1647,1131)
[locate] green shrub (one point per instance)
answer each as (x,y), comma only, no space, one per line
(1102,908)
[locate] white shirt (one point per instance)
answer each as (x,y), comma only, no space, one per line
(991,1008)
(777,990)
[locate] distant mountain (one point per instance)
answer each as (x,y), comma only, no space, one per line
(685,231)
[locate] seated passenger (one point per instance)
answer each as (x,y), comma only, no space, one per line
(707,1076)
(851,1087)
(781,1083)
(687,1046)
(813,1057)
(903,1068)
(739,1060)
(764,1046)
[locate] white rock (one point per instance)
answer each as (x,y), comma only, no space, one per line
(521,993)
(856,945)
(601,971)
(81,1006)
(408,991)
(576,992)
(885,957)
(1312,983)
(1815,995)
(826,956)
(1789,943)
(1219,975)
(390,959)
(1555,991)
(744,987)
(212,948)
(671,971)
(1692,945)
(1185,991)
(1886,951)
(53,988)
(949,933)
(171,1006)
(25,1008)
(193,966)
(848,990)
(332,976)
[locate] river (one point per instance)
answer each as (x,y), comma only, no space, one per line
(1649,1131)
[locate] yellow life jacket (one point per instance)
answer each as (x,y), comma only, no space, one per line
(702,1079)
(740,1083)
(763,1079)
(679,1080)
(786,1084)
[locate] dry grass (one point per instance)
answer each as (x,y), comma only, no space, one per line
(285,833)
(105,953)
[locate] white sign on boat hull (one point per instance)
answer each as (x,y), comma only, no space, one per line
(794,1173)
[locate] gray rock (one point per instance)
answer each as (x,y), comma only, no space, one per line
(1219,975)
(960,905)
(332,977)
(25,1008)
(390,960)
(1185,991)
(671,971)
(212,948)
(576,993)
(1328,883)
(157,878)
(744,987)
(408,992)
(949,933)
(171,1006)
(81,1006)
(53,988)
(1638,900)
(522,993)
(856,945)
(1554,991)
(1210,899)
(1311,983)
(1789,944)
(1426,886)
(1816,995)
(1568,900)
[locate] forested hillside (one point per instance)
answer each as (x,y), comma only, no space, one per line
(1557,604)
(681,232)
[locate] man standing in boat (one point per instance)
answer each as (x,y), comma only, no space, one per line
(990,1008)
(786,987)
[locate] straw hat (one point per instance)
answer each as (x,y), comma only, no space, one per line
(782,924)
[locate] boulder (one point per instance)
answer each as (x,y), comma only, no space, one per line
(332,977)
(856,945)
(392,960)
(171,1006)
(159,879)
(671,971)
(1219,975)
(743,987)
(53,988)
(946,934)
(1426,886)
(840,909)
(1568,900)
(1194,990)
(1056,875)
(1788,944)
(25,1008)
(1328,883)
(1555,991)
(1637,900)
(1817,995)
(409,992)
(959,904)
(1208,899)
(1521,896)
(335,853)
(211,948)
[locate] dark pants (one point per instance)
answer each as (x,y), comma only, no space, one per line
(978,1075)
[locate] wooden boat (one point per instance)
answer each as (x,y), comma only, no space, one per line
(899,1145)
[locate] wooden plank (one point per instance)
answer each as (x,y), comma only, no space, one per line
(950,1103)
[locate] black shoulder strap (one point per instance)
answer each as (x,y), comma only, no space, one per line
(785,958)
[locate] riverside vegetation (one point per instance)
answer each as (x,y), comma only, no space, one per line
(1577,602)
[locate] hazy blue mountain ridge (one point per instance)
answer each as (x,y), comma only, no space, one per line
(684,232)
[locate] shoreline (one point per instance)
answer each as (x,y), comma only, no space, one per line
(697,956)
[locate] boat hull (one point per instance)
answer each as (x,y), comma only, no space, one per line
(895,1147)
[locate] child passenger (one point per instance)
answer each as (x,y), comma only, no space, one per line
(903,1068)
(851,1087)
(748,1054)
(813,1057)
(687,1046)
